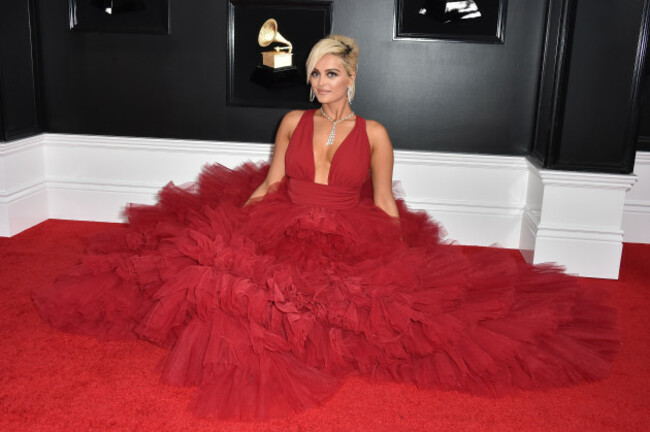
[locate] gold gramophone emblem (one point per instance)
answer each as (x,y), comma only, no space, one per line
(279,57)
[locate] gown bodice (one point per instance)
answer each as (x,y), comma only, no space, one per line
(348,171)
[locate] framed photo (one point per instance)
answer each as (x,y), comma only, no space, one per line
(268,44)
(462,21)
(119,16)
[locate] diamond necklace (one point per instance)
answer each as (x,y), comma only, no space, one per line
(330,139)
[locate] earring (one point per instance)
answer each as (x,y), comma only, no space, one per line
(311,94)
(350,95)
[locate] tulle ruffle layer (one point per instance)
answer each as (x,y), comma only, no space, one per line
(266,308)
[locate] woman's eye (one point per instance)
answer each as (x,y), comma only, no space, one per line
(331,74)
(314,74)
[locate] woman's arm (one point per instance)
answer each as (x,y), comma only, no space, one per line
(276,170)
(381,168)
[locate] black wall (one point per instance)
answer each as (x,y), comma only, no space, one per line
(19,104)
(589,101)
(442,96)
(600,113)
(644,112)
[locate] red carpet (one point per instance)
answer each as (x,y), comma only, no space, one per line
(52,381)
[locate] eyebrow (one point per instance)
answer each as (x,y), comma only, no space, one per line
(327,70)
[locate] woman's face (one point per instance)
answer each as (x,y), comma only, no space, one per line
(329,80)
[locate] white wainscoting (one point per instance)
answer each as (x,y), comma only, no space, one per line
(23,192)
(93,177)
(575,219)
(479,199)
(636,215)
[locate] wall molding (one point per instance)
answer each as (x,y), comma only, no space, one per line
(23,188)
(479,199)
(575,218)
(636,214)
(585,180)
(553,80)
(157,144)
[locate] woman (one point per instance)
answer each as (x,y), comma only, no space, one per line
(331,67)
(322,274)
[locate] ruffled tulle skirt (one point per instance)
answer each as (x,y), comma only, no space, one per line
(266,308)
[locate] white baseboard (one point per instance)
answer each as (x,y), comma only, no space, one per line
(23,191)
(636,216)
(574,218)
(479,199)
(94,177)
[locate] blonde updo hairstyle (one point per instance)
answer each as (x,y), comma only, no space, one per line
(343,47)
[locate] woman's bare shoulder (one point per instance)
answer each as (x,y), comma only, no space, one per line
(293,117)
(377,133)
(289,123)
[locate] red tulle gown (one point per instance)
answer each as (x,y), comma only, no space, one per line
(266,308)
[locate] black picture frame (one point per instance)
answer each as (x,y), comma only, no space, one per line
(303,23)
(426,20)
(120,16)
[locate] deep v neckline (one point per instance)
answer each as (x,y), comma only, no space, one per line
(313,153)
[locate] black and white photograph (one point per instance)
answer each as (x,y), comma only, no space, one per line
(462,21)
(120,16)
